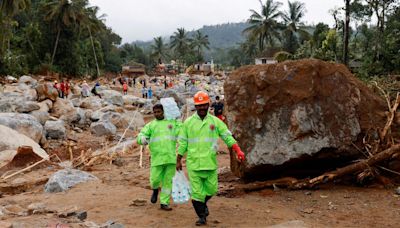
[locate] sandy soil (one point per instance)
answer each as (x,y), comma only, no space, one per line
(111,198)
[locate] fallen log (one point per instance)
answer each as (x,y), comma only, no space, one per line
(354,168)
(350,169)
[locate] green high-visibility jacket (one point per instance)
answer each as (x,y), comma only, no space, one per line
(161,136)
(199,139)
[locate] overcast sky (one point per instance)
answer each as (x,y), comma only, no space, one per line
(146,19)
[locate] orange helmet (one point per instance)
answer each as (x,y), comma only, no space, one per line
(201,98)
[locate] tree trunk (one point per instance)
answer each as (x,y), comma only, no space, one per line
(55,47)
(94,53)
(346,34)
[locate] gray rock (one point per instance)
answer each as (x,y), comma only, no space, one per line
(398,191)
(64,179)
(112,97)
(76,102)
(103,128)
(24,124)
(293,115)
(55,129)
(27,80)
(6,107)
(93,103)
(27,106)
(42,117)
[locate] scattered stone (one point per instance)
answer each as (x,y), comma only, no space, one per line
(64,179)
(6,224)
(112,97)
(24,124)
(290,224)
(55,129)
(81,215)
(397,190)
(27,80)
(103,128)
(138,202)
(46,91)
(308,210)
(37,208)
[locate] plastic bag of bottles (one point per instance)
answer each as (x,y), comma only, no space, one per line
(171,110)
(180,188)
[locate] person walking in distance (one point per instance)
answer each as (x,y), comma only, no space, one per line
(160,134)
(198,140)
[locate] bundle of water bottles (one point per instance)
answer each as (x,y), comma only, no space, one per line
(180,188)
(171,110)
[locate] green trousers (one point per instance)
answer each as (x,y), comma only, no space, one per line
(203,183)
(161,176)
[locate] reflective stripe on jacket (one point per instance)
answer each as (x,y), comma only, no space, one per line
(199,139)
(161,136)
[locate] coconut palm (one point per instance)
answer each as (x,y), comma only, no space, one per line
(264,25)
(94,24)
(11,7)
(199,42)
(180,42)
(159,50)
(62,14)
(292,19)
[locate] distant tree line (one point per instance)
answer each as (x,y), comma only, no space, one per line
(375,47)
(70,37)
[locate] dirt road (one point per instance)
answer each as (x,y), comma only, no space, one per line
(111,198)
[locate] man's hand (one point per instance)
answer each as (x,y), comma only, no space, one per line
(144,140)
(179,162)
(240,155)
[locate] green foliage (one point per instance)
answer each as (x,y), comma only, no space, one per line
(282,56)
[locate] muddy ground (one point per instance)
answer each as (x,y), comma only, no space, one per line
(112,198)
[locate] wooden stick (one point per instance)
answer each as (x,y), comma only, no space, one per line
(25,169)
(390,117)
(141,157)
(71,155)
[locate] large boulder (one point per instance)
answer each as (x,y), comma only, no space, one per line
(28,106)
(298,115)
(24,124)
(112,97)
(103,128)
(180,100)
(11,140)
(93,103)
(27,80)
(65,110)
(55,129)
(46,91)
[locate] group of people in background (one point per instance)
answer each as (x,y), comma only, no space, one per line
(62,88)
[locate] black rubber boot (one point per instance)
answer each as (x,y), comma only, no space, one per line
(200,208)
(154,196)
(206,211)
(165,207)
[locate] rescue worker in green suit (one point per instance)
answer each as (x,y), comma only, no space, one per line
(161,136)
(198,139)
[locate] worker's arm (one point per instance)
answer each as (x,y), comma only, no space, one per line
(227,137)
(144,135)
(182,146)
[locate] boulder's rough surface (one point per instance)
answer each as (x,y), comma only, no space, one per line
(28,106)
(55,129)
(298,114)
(112,97)
(11,140)
(93,103)
(24,124)
(46,91)
(27,80)
(102,128)
(64,179)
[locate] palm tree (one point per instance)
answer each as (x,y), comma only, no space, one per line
(12,7)
(199,42)
(94,24)
(159,50)
(62,14)
(8,9)
(180,42)
(264,25)
(292,19)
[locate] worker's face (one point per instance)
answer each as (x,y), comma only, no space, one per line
(202,109)
(158,114)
